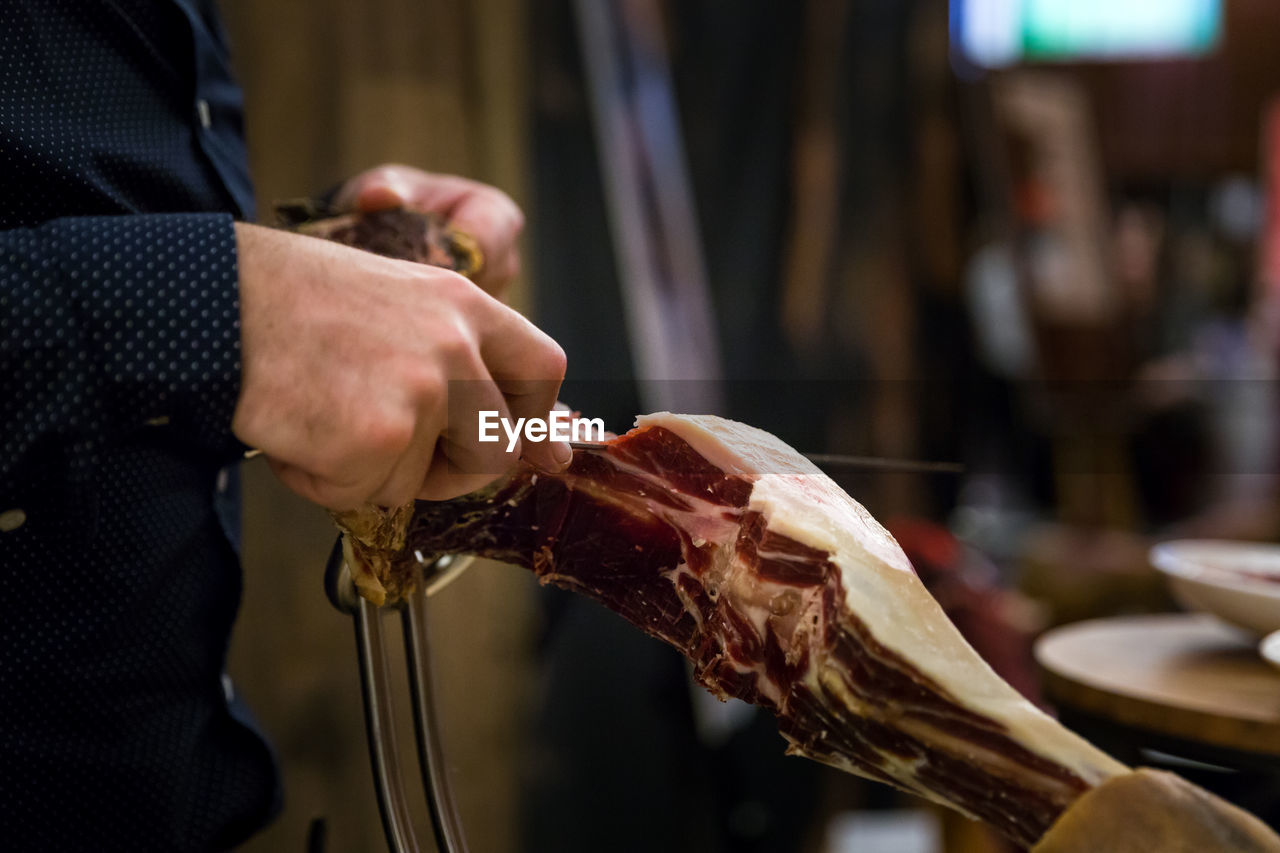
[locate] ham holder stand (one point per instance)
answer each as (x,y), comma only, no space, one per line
(375,687)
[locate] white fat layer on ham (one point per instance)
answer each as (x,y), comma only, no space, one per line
(881,589)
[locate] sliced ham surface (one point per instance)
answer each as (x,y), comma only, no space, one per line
(726,543)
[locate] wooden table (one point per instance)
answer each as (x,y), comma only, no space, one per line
(1183,679)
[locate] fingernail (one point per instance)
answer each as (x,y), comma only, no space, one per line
(385,192)
(562,453)
(398,185)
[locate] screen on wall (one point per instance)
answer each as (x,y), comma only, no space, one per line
(996,33)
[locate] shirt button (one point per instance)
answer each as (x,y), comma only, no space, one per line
(222,480)
(12,519)
(202,109)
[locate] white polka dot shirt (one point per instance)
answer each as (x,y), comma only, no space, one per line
(121,170)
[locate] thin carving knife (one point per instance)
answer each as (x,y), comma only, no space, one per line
(839,462)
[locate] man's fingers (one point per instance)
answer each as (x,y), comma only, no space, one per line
(381,196)
(522,358)
(378,189)
(405,480)
(406,185)
(467,452)
(550,456)
(489,215)
(326,493)
(485,213)
(495,221)
(463,462)
(527,367)
(444,481)
(530,399)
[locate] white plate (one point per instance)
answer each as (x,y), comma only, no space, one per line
(1238,582)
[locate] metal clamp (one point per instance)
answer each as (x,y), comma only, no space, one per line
(375,688)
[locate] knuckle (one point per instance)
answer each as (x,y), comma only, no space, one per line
(517,218)
(554,361)
(390,171)
(456,288)
(507,206)
(496,214)
(456,344)
(385,434)
(424,383)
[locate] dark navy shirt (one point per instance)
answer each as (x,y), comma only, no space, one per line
(121,169)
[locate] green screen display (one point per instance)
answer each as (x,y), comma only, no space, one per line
(1003,32)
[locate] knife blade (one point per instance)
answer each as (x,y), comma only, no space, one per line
(835,462)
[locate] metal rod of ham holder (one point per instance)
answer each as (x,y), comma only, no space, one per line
(435,773)
(376,692)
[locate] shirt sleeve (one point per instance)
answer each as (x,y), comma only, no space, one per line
(111,324)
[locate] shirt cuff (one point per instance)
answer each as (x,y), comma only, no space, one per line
(159,305)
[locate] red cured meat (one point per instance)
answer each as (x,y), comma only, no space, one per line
(722,541)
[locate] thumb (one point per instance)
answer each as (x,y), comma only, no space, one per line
(382,192)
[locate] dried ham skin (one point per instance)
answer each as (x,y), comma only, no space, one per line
(784,592)
(397,232)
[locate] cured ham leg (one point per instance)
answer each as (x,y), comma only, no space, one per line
(782,590)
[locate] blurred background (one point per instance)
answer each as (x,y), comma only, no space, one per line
(1037,237)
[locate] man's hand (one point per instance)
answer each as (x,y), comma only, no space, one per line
(481,211)
(353,363)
